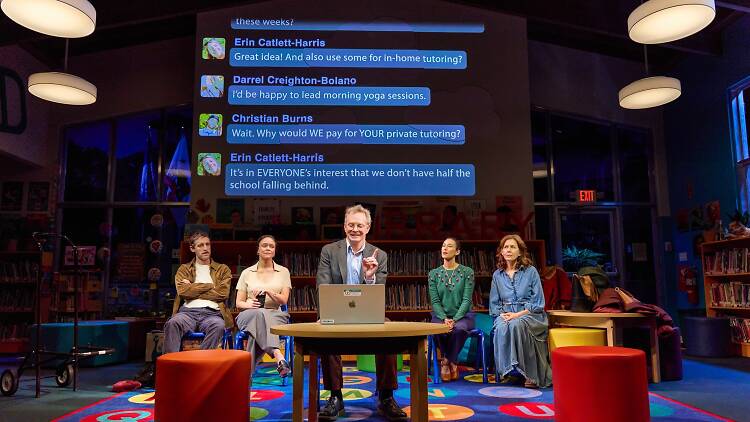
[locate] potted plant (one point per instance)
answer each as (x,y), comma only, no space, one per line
(575,258)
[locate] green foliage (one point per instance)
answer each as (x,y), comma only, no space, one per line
(574,258)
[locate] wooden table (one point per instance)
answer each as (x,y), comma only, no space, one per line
(613,323)
(312,338)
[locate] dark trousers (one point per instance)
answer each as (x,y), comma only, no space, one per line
(450,344)
(385,370)
(206,320)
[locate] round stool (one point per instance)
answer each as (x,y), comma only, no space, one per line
(600,383)
(564,337)
(202,385)
(366,363)
(710,337)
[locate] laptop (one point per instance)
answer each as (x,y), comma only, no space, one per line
(351,303)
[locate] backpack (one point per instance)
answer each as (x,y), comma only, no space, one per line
(598,276)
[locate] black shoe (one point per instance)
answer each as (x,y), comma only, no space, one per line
(147,375)
(391,410)
(283,368)
(333,409)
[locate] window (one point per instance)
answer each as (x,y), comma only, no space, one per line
(127,192)
(739,98)
(582,154)
(87,162)
(573,153)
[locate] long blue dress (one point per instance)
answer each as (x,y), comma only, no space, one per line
(521,343)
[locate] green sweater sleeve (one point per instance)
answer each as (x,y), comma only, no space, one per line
(437,305)
(465,307)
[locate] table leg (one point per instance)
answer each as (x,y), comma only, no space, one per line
(418,366)
(655,366)
(610,334)
(298,379)
(313,390)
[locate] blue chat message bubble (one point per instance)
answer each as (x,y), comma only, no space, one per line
(300,25)
(339,134)
(381,96)
(349,179)
(347,57)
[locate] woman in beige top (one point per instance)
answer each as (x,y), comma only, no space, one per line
(261,291)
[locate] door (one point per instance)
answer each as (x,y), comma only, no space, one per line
(588,237)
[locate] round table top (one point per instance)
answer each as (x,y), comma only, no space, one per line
(387,329)
(596,314)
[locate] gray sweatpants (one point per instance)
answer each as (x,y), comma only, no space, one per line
(257,324)
(205,320)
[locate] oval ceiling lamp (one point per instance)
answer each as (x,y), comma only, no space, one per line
(650,92)
(59,18)
(660,21)
(62,88)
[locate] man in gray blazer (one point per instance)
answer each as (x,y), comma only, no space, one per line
(354,261)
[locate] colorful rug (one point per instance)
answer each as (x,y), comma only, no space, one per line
(465,399)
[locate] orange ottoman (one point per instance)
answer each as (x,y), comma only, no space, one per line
(203,385)
(592,383)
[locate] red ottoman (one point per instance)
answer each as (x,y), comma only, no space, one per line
(203,385)
(597,383)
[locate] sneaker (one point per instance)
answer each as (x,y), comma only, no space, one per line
(391,410)
(445,372)
(333,409)
(283,368)
(454,371)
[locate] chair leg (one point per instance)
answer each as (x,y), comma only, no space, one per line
(482,354)
(287,356)
(433,358)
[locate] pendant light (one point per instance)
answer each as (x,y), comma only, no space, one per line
(61,87)
(651,91)
(660,21)
(59,18)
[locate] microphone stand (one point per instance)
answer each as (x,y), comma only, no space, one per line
(38,238)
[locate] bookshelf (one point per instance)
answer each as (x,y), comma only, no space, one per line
(726,283)
(90,295)
(409,262)
(18,271)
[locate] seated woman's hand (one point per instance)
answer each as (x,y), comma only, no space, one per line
(449,322)
(508,316)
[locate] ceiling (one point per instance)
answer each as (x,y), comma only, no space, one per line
(592,25)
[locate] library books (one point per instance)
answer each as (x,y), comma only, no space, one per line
(733,294)
(398,297)
(401,261)
(740,329)
(727,261)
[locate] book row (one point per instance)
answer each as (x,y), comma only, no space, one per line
(727,261)
(734,294)
(18,272)
(400,261)
(16,300)
(740,329)
(399,297)
(13,331)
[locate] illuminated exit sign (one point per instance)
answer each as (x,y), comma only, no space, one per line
(586,196)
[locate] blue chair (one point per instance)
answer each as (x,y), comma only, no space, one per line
(241,336)
(226,339)
(481,360)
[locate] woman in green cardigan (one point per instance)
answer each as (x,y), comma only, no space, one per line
(451,286)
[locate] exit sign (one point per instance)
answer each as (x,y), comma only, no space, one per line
(586,195)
